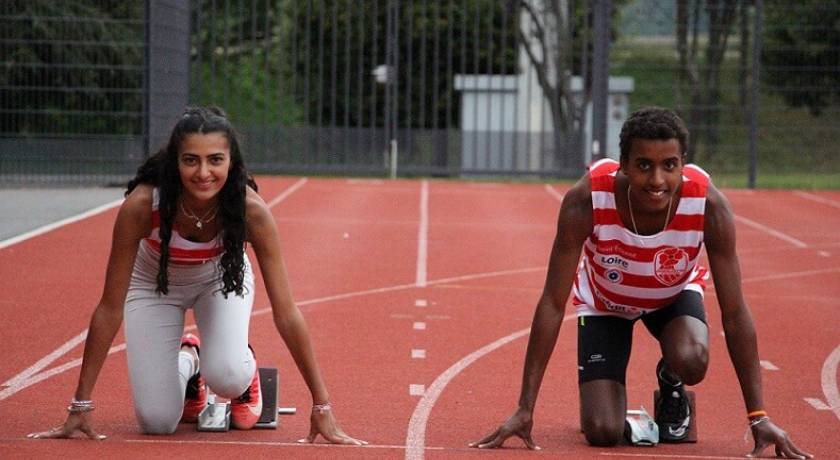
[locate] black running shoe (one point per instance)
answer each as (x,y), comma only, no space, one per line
(673,413)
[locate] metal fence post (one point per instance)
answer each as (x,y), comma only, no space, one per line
(754,91)
(600,76)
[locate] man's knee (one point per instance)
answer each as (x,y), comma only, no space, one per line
(602,431)
(690,362)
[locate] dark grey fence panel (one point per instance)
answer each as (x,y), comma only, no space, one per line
(72,91)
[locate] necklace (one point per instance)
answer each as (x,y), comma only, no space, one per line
(200,221)
(633,219)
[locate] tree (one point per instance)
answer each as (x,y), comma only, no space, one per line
(800,54)
(558,41)
(703,74)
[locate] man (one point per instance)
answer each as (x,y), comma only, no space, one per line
(641,224)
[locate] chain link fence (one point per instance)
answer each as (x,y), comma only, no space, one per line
(467,88)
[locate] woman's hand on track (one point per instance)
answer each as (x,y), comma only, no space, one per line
(767,433)
(519,424)
(324,423)
(76,421)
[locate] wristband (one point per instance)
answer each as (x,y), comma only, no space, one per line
(757,413)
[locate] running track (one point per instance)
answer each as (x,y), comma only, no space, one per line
(419,295)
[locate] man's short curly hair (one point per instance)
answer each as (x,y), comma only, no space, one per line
(652,123)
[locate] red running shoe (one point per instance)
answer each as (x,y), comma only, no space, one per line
(245,410)
(195,397)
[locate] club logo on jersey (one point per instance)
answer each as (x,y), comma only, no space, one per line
(614,275)
(670,265)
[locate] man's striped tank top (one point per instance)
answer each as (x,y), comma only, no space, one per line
(625,274)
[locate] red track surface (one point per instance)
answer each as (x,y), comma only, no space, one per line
(487,249)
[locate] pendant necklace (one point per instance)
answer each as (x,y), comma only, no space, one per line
(200,221)
(633,219)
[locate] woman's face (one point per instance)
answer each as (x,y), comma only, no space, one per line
(654,168)
(204,163)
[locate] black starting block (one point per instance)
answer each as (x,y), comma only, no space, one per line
(692,422)
(216,415)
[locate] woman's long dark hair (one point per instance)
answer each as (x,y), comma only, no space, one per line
(161,171)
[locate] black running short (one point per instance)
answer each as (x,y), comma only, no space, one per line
(604,342)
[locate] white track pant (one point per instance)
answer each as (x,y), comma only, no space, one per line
(154,324)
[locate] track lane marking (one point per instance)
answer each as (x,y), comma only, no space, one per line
(829,381)
(553,192)
(59,223)
(817,198)
(770,231)
(423,235)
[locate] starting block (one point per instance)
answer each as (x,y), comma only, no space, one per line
(216,415)
(692,422)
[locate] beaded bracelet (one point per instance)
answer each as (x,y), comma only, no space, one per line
(759,421)
(321,408)
(80,406)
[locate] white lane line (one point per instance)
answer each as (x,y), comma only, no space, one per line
(417,353)
(59,223)
(401,316)
(554,193)
(791,275)
(421,303)
(767,365)
(7,392)
(316,445)
(829,381)
(817,198)
(709,457)
(419,326)
(770,231)
(292,189)
(817,403)
(416,389)
(46,360)
(423,235)
(416,438)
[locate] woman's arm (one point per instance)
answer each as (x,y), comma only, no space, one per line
(132,224)
(265,239)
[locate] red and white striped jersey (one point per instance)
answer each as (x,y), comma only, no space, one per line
(181,250)
(625,274)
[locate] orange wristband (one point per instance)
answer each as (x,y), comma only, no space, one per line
(757,413)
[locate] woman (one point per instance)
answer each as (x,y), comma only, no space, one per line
(179,242)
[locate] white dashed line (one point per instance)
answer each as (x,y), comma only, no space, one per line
(419,326)
(418,354)
(768,365)
(824,253)
(421,303)
(817,403)
(416,389)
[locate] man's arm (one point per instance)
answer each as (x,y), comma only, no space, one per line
(574,225)
(741,341)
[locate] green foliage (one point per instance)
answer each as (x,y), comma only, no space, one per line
(801,54)
(72,67)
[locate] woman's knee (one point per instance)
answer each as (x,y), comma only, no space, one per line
(227,381)
(163,420)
